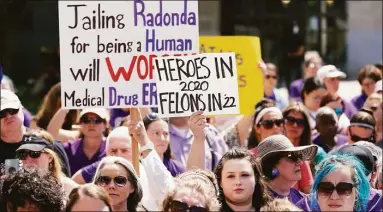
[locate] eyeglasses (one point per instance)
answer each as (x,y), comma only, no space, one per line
(357,138)
(271,76)
(293,157)
(23,154)
(87,120)
(9,111)
(291,121)
(342,188)
(119,181)
(268,124)
(178,206)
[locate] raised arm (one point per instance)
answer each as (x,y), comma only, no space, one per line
(54,127)
(197,123)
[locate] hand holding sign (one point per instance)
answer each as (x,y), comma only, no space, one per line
(197,123)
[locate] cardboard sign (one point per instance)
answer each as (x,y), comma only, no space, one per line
(247,53)
(203,82)
(107,49)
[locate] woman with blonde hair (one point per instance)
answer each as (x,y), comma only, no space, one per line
(195,190)
(50,105)
(37,151)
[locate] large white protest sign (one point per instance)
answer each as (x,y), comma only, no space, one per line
(203,82)
(107,48)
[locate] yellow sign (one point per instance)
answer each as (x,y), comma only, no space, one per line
(248,53)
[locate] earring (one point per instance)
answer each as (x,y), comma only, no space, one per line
(274,173)
(50,166)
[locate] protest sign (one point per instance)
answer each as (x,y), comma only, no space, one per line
(203,82)
(107,49)
(248,53)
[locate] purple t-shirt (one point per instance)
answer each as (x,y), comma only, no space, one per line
(293,197)
(116,117)
(77,157)
(174,167)
(349,109)
(27,117)
(341,140)
(296,88)
(359,101)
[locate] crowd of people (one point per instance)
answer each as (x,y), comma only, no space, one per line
(315,151)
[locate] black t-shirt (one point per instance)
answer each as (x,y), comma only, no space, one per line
(8,151)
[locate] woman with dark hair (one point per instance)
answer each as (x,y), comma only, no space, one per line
(240,182)
(281,162)
(89,197)
(368,76)
(297,129)
(312,95)
(362,127)
(158,132)
(118,177)
(254,136)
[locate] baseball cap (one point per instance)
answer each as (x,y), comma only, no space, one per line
(34,143)
(102,113)
(330,71)
(378,86)
(9,100)
(280,143)
(362,153)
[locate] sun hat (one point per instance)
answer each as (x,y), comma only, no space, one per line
(279,143)
(330,71)
(9,100)
(101,112)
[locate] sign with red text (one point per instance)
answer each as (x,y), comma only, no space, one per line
(107,49)
(203,82)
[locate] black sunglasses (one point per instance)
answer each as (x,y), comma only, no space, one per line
(291,121)
(268,124)
(23,154)
(357,138)
(342,188)
(271,76)
(87,120)
(178,206)
(9,111)
(293,156)
(119,181)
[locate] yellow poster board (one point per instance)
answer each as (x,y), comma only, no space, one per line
(248,53)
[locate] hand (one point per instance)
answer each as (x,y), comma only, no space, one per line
(262,65)
(197,123)
(137,131)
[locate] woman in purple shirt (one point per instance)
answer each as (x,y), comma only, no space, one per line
(158,132)
(281,165)
(368,76)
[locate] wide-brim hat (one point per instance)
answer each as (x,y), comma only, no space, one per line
(277,144)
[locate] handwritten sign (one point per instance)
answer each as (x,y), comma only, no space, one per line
(107,49)
(206,82)
(247,53)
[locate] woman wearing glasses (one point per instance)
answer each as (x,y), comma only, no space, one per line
(240,182)
(89,147)
(267,122)
(118,177)
(298,131)
(281,165)
(158,132)
(340,185)
(37,151)
(270,80)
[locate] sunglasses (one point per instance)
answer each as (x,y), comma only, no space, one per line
(178,206)
(342,188)
(291,121)
(9,111)
(271,76)
(119,181)
(23,154)
(357,138)
(293,157)
(87,120)
(374,108)
(268,124)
